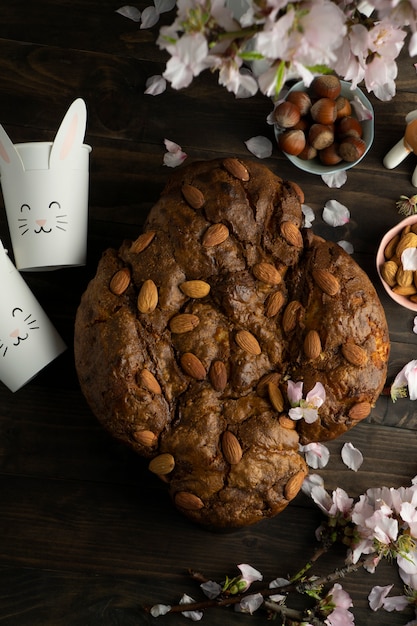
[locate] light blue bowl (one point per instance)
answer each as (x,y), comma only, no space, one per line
(314,166)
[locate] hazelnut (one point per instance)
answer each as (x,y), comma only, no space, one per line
(308,152)
(349,127)
(292,141)
(324,111)
(286,114)
(302,101)
(330,155)
(327,86)
(352,148)
(343,107)
(320,136)
(302,124)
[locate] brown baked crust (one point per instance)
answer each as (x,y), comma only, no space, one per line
(139,384)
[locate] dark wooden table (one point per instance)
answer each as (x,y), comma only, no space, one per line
(87,535)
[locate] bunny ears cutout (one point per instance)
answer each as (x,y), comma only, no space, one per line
(68,139)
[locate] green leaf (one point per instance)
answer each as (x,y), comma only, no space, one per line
(279,77)
(251,56)
(319,69)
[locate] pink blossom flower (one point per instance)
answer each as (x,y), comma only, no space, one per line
(249,575)
(308,408)
(341,601)
(189,57)
(336,505)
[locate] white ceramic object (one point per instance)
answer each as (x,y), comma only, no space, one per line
(45,192)
(28,340)
(313,166)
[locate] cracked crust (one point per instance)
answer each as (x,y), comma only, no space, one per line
(185,418)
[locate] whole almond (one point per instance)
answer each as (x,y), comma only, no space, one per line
(236,169)
(389,272)
(326,281)
(248,342)
(291,315)
(312,344)
(218,375)
(405,291)
(148,297)
(291,234)
(195,288)
(407,240)
(192,366)
(360,411)
(274,303)
(404,277)
(193,196)
(120,281)
(183,323)
(293,486)
(287,422)
(275,396)
(267,273)
(148,380)
(142,242)
(262,386)
(354,354)
(188,501)
(162,464)
(146,437)
(231,448)
(391,247)
(215,235)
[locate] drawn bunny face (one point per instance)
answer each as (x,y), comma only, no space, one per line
(45,191)
(42,221)
(28,340)
(21,324)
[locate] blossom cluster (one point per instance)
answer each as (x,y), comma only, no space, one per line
(382,523)
(260,44)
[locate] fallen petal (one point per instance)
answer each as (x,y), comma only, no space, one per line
(351,456)
(150,17)
(194,615)
(175,156)
(260,146)
(309,215)
(337,179)
(409,259)
(346,245)
(335,213)
(132,13)
(155,85)
(316,455)
(251,603)
(163,6)
(361,111)
(160,609)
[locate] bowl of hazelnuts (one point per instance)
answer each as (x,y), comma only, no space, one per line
(318,127)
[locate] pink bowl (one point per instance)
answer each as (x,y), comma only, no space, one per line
(380,258)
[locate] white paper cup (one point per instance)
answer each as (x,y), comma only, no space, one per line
(45,192)
(28,340)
